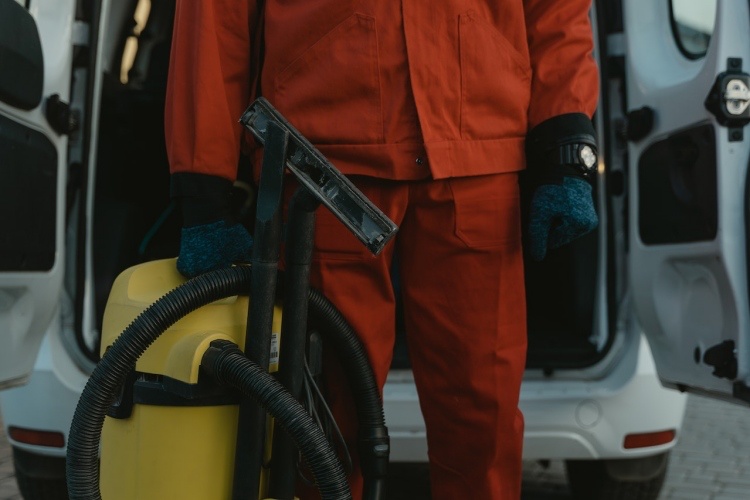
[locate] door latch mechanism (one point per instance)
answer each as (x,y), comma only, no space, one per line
(737,96)
(729,99)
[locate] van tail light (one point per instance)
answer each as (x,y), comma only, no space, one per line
(648,439)
(37,437)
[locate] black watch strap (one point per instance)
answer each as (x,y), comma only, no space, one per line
(581,155)
(567,140)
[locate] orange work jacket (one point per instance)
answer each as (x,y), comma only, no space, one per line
(400,89)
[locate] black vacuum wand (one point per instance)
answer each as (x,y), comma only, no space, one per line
(320,183)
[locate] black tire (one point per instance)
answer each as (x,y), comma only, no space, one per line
(625,479)
(40,477)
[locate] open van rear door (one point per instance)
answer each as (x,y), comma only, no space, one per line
(688,184)
(36,52)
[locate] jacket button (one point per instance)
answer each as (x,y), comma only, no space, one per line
(420,160)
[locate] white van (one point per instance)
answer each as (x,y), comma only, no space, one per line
(84,195)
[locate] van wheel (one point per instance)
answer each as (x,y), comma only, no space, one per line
(40,477)
(623,479)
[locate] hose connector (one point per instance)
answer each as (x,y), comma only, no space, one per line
(213,358)
(374,451)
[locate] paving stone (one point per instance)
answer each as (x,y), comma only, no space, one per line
(732,490)
(685,495)
(8,487)
(9,491)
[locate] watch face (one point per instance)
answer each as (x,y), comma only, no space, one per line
(587,156)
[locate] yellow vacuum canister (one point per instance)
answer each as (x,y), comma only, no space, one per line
(171,433)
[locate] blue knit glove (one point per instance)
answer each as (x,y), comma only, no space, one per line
(210,237)
(212,246)
(560,213)
(561,207)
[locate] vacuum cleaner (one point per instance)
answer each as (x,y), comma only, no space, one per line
(190,369)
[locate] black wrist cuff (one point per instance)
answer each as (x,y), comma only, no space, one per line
(547,174)
(203,198)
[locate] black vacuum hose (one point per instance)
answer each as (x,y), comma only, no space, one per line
(104,383)
(374,443)
(229,366)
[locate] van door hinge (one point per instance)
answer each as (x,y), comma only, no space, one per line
(729,99)
(81,34)
(60,117)
(723,357)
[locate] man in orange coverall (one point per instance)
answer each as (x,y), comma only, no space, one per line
(426,105)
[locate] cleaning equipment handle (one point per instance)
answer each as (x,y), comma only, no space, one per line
(320,183)
(323,180)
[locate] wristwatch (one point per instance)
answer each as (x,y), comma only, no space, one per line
(580,155)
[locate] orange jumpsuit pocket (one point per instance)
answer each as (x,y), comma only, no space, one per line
(487,210)
(331,93)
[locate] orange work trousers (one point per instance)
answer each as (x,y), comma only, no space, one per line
(461,269)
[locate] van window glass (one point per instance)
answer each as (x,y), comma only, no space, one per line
(693,25)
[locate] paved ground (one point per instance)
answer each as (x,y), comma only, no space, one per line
(711,462)
(8,489)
